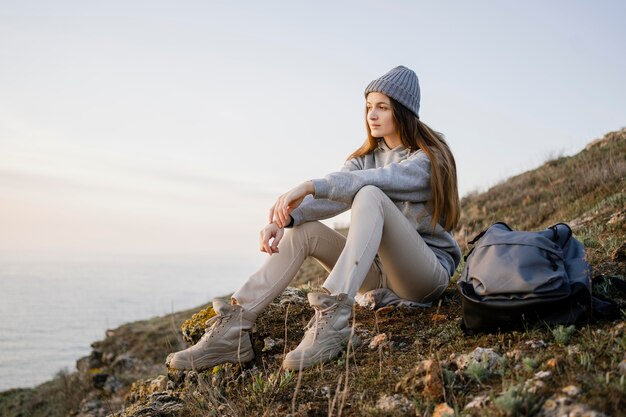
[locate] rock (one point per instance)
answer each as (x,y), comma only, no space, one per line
(536,344)
(158,384)
(571,390)
(443,410)
(397,402)
(98,379)
(159,404)
(424,379)
(191,379)
(561,405)
(292,295)
(477,402)
(95,359)
(438,317)
(144,388)
(195,327)
(543,374)
(269,344)
(124,362)
(533,385)
(378,341)
(112,385)
(621,368)
(92,406)
(176,376)
(486,356)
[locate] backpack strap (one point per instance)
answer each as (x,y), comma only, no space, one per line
(555,233)
(481,234)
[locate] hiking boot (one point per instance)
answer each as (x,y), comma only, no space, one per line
(327,333)
(226,340)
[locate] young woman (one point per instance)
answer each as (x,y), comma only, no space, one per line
(401,187)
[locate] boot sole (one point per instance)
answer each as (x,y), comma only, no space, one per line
(209,361)
(298,364)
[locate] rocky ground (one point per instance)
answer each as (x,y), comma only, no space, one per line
(410,361)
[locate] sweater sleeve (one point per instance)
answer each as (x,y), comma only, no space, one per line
(319,208)
(407,180)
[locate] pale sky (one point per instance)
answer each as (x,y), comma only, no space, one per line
(169,127)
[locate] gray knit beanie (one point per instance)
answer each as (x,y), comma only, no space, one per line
(402,85)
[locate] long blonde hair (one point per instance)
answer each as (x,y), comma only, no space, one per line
(417,135)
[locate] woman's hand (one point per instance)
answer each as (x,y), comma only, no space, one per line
(286,203)
(272,233)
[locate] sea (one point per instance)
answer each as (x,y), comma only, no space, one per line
(52,310)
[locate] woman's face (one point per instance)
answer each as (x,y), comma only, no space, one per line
(380,116)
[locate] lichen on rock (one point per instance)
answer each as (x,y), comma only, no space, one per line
(194,327)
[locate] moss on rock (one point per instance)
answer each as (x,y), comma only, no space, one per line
(193,328)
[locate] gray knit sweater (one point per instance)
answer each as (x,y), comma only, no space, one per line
(403,176)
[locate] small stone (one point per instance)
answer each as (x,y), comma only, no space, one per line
(477,402)
(438,317)
(124,362)
(378,341)
(552,363)
(112,385)
(536,344)
(158,384)
(534,385)
(389,403)
(543,374)
(443,410)
(191,379)
(176,376)
(549,405)
(573,350)
(424,379)
(270,344)
(571,390)
(292,295)
(621,368)
(481,355)
(563,405)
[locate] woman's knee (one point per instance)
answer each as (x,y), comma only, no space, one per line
(304,231)
(368,193)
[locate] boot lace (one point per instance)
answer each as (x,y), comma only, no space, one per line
(212,324)
(319,319)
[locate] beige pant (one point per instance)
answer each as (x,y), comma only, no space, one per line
(405,264)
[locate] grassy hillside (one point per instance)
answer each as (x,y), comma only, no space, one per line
(411,362)
(587,190)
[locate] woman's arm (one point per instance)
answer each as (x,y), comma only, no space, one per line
(286,203)
(269,238)
(408,180)
(309,208)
